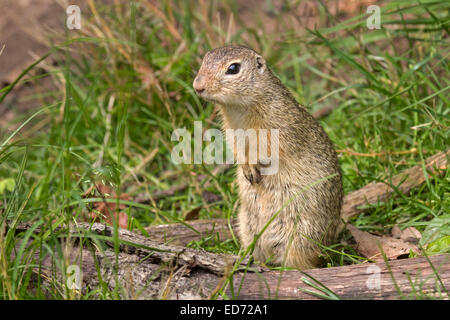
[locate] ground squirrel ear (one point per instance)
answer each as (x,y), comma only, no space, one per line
(260,64)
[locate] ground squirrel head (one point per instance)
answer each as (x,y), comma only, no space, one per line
(231,75)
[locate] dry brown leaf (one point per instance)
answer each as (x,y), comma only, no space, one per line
(192,214)
(103,210)
(409,234)
(368,245)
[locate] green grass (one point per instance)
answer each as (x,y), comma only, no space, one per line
(125,85)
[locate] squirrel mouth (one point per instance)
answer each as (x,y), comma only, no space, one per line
(206,96)
(201,93)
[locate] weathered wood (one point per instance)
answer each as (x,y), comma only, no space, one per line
(355,281)
(150,269)
(135,277)
(181,234)
(132,243)
(179,273)
(404,182)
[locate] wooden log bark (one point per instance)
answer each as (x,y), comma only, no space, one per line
(180,234)
(157,252)
(145,268)
(398,279)
(404,182)
(148,270)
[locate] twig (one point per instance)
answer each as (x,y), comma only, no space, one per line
(403,182)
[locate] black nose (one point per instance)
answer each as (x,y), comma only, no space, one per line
(199,90)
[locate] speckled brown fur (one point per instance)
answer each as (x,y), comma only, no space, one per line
(308,183)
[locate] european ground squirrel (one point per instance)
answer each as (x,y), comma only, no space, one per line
(306,192)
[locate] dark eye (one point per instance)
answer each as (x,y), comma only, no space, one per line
(233,68)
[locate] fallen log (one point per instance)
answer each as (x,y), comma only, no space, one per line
(181,234)
(157,252)
(145,268)
(148,270)
(404,182)
(397,280)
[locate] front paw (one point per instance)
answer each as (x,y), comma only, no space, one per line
(252,173)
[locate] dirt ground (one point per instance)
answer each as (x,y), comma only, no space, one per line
(24,25)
